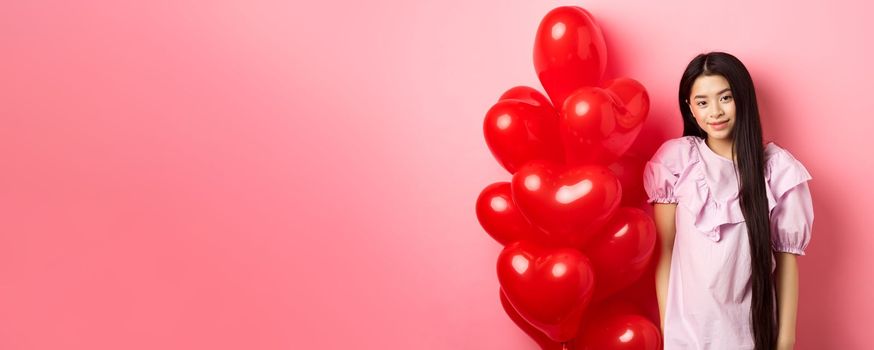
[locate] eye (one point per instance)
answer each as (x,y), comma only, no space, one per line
(726,98)
(701,103)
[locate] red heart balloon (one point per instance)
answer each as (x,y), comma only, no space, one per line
(643,294)
(570,204)
(633,96)
(549,287)
(629,170)
(617,331)
(499,216)
(521,127)
(621,252)
(539,337)
(598,312)
(596,127)
(528,94)
(569,52)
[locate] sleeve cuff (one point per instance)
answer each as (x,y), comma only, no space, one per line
(664,200)
(788,249)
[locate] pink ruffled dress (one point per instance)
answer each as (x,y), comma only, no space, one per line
(709,288)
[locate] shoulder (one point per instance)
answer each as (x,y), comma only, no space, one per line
(677,153)
(782,169)
(681,147)
(778,158)
(679,143)
(773,150)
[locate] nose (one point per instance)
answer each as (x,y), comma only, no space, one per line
(717,111)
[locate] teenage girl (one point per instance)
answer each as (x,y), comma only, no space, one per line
(732,215)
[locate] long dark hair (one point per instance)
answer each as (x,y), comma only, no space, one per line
(747,147)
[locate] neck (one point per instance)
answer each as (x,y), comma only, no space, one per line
(721,147)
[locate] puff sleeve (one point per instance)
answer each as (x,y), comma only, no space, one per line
(792,217)
(661,172)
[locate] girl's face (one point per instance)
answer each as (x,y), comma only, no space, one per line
(712,104)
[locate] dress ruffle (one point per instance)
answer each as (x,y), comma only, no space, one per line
(782,173)
(697,197)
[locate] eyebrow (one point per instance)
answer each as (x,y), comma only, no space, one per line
(718,93)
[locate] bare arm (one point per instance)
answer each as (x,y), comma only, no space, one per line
(665,220)
(786,276)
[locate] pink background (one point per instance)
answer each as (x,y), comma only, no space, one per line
(266,175)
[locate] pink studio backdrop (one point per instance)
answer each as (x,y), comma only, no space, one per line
(275,175)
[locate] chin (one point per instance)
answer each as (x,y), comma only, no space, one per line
(720,135)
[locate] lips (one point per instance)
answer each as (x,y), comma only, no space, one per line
(719,126)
